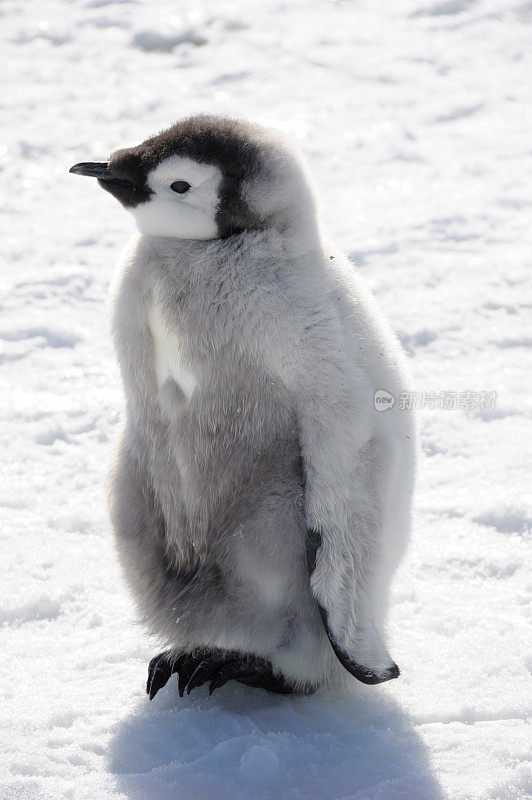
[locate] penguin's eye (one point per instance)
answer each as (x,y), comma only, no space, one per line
(181,187)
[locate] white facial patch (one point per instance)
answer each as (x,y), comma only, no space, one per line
(191,215)
(169,364)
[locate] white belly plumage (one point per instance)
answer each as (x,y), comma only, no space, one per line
(169,364)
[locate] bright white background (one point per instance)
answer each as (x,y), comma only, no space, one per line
(416,119)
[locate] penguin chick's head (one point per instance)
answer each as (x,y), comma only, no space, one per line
(208,177)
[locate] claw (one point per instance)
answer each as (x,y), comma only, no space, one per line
(186,669)
(224,674)
(219,680)
(159,672)
(201,674)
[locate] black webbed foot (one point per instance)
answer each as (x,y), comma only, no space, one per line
(223,666)
(215,667)
(260,675)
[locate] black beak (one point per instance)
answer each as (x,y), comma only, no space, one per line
(127,190)
(94,169)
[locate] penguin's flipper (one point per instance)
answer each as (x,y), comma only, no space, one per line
(361,650)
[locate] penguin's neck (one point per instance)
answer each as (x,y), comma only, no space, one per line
(291,243)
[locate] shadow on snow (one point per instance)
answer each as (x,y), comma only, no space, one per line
(243,743)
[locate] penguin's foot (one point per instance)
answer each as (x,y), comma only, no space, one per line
(215,667)
(246,669)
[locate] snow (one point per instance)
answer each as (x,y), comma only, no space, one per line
(415,118)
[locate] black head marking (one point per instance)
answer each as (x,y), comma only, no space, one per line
(129,186)
(225,143)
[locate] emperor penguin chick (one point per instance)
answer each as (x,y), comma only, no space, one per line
(260,497)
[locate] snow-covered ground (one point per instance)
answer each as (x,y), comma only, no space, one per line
(416,118)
